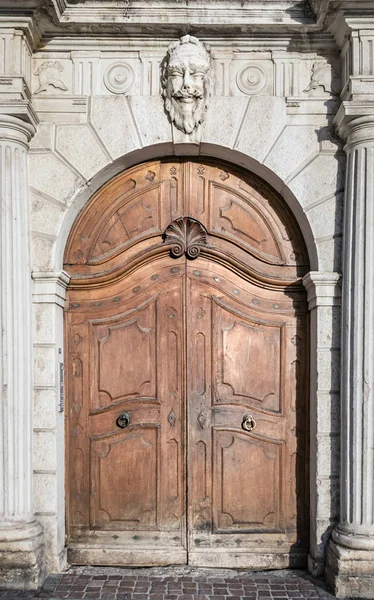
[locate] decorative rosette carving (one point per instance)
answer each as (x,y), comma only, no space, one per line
(186,236)
(251,80)
(119,78)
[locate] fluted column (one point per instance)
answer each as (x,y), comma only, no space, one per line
(351,557)
(20,535)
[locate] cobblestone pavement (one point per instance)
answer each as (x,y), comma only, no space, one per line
(176,583)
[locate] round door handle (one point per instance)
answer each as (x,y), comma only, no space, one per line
(248,423)
(123,420)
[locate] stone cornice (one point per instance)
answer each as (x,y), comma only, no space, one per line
(26,22)
(194,12)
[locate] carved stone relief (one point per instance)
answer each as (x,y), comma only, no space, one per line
(186,235)
(119,78)
(324,80)
(49,74)
(251,79)
(186,82)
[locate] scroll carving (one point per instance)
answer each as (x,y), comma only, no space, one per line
(186,236)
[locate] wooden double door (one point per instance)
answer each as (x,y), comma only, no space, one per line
(186,385)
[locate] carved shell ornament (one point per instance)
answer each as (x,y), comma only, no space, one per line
(186,236)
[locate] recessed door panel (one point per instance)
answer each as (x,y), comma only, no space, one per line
(124,479)
(247,481)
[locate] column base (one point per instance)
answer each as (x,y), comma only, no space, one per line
(316,567)
(349,572)
(22,556)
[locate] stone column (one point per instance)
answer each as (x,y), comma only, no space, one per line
(21,548)
(351,553)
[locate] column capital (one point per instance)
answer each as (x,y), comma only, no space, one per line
(50,287)
(323,289)
(355,121)
(15,130)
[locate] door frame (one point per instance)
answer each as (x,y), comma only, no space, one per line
(154,255)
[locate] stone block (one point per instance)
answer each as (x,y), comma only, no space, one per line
(222,120)
(113,122)
(42,253)
(150,120)
(43,139)
(327,498)
(328,454)
(49,174)
(328,413)
(45,216)
(328,370)
(295,145)
(44,316)
(326,217)
(45,493)
(45,409)
(44,451)
(45,366)
(80,147)
(322,177)
(328,323)
(330,254)
(263,122)
(350,572)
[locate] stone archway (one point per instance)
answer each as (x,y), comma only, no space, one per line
(192,355)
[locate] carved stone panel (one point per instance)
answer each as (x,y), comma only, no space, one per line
(186,82)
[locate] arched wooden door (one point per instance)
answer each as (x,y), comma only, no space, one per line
(186,369)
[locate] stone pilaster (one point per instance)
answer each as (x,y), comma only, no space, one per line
(324,297)
(351,553)
(21,540)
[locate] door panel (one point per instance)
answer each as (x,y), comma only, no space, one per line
(243,485)
(133,478)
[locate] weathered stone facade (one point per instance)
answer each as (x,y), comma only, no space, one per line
(80,101)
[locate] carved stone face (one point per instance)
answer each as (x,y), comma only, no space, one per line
(186,83)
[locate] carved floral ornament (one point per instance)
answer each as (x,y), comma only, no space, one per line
(186,236)
(186,82)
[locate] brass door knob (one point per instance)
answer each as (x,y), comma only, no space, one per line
(123,420)
(248,423)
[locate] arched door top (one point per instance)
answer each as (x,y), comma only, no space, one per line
(246,221)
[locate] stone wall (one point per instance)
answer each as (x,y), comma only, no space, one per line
(265,115)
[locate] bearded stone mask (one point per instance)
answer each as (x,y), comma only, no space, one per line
(186,82)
